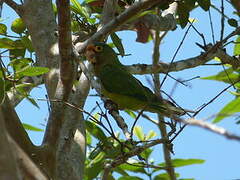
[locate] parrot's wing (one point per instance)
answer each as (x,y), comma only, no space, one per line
(116,79)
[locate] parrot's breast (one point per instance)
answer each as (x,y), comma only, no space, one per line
(125,102)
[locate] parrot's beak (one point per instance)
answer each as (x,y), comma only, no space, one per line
(90,53)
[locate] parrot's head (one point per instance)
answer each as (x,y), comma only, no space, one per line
(100,53)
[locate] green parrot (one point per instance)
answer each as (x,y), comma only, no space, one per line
(122,87)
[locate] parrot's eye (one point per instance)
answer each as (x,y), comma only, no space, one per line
(98,48)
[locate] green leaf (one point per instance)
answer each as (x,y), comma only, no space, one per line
(77,8)
(204,4)
(88,1)
(27,43)
(130,178)
(150,135)
(3,29)
(230,109)
(233,22)
(186,162)
(95,131)
(18,26)
(146,153)
(164,176)
(236,50)
(118,43)
(30,127)
(16,53)
(135,167)
(227,76)
(139,133)
(19,64)
(131,113)
(120,171)
(7,43)
(2,90)
(33,102)
(32,71)
(95,166)
(88,138)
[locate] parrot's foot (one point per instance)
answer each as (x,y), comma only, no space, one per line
(110,106)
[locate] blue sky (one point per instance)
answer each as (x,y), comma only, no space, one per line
(221,155)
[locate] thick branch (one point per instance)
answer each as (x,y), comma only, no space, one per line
(28,169)
(180,65)
(15,128)
(65,46)
(119,20)
(8,168)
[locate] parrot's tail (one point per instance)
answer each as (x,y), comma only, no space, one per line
(166,108)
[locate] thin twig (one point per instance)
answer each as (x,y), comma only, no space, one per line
(211,25)
(175,54)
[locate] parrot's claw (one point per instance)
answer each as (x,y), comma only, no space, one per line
(110,106)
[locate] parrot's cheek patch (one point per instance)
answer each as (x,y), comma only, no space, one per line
(91,56)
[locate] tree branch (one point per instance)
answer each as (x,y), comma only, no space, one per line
(67,71)
(161,125)
(15,128)
(180,65)
(8,168)
(119,20)
(65,47)
(123,158)
(16,7)
(209,126)
(28,169)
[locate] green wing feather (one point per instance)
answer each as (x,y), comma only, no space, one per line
(117,80)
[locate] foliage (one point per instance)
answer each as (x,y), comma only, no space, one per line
(105,146)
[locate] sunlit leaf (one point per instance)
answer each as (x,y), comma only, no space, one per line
(18,26)
(7,43)
(230,109)
(77,8)
(186,162)
(236,50)
(88,138)
(139,132)
(3,29)
(32,71)
(30,127)
(151,134)
(227,76)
